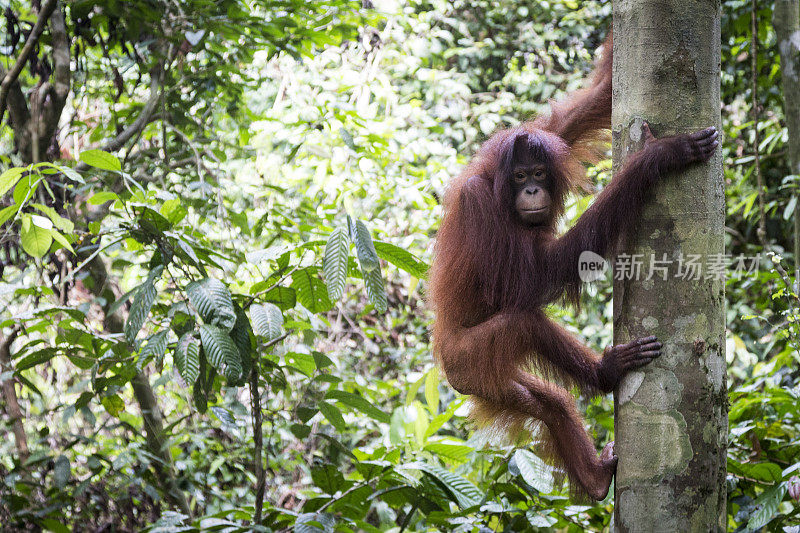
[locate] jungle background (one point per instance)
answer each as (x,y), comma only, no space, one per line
(216,221)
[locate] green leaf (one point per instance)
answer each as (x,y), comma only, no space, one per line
(8,212)
(35,240)
(213,301)
(402,259)
(268,320)
(540,519)
(303,362)
(373,280)
(187,358)
(221,351)
(173,211)
(9,178)
(121,301)
(367,256)
(334,416)
(314,523)
(327,477)
(71,173)
(65,225)
(321,360)
(439,420)
(454,452)
(142,302)
(51,524)
(360,403)
(224,415)
(36,358)
(311,291)
(432,390)
(462,491)
(347,137)
(334,265)
(242,334)
(284,297)
(100,159)
(533,470)
(765,472)
(156,347)
(200,397)
(26,188)
(113,405)
(60,239)
(102,197)
(61,471)
(767,505)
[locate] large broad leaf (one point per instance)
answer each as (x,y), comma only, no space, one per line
(462,491)
(283,297)
(187,358)
(64,224)
(242,334)
(9,178)
(221,351)
(432,390)
(61,471)
(35,239)
(457,453)
(766,472)
(334,265)
(334,416)
(200,397)
(100,159)
(402,259)
(213,301)
(365,248)
(142,302)
(767,505)
(156,347)
(327,477)
(358,402)
(8,212)
(533,470)
(373,280)
(268,320)
(311,291)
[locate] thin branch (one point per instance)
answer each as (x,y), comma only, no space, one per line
(276,340)
(12,75)
(156,79)
(274,285)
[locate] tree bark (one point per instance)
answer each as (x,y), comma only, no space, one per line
(11,406)
(787,28)
(671,416)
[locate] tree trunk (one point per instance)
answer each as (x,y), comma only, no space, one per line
(12,408)
(671,418)
(787,28)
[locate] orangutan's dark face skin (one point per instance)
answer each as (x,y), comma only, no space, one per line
(532,199)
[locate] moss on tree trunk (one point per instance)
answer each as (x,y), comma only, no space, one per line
(671,416)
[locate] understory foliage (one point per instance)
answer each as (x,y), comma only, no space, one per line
(214,263)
